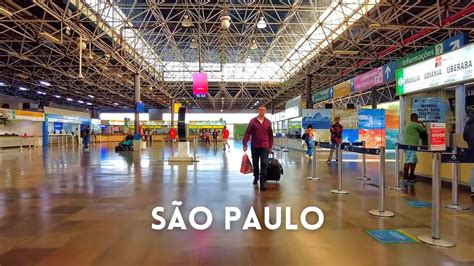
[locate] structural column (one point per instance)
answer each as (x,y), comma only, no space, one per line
(308,91)
(137,101)
(460,108)
(402,118)
(172,112)
(374,98)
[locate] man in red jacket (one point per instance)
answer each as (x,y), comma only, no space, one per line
(260,131)
(225,136)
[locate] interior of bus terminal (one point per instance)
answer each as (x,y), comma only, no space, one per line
(65,64)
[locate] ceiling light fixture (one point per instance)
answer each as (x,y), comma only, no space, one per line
(253,45)
(342,52)
(2,84)
(40,92)
(186,22)
(69,99)
(45,83)
(261,24)
(225,20)
(5,12)
(89,103)
(248,60)
(22,88)
(57,96)
(115,104)
(91,96)
(79,101)
(194,44)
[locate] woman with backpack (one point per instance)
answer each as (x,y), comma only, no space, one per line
(309,140)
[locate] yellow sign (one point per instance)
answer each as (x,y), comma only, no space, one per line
(176,107)
(342,89)
(28,115)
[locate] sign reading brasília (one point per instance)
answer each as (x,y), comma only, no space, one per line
(448,69)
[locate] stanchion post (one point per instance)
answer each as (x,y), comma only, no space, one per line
(195,150)
(455,187)
(397,169)
(286,146)
(435,237)
(339,189)
(21,144)
(364,166)
(314,165)
(381,212)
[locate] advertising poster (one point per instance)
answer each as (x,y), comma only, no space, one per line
(350,135)
(318,118)
(392,115)
(342,89)
(374,138)
(431,109)
(391,138)
(349,118)
(368,80)
(371,119)
(322,135)
(322,95)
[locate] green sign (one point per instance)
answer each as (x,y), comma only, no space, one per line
(322,95)
(419,56)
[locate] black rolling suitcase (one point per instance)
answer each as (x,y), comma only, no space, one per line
(274,170)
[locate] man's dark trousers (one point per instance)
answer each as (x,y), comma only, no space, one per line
(260,154)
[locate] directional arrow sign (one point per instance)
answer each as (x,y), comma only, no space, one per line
(389,72)
(455,45)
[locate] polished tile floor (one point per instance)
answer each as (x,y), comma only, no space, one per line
(63,206)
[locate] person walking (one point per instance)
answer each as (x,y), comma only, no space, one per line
(172,135)
(225,137)
(336,138)
(412,137)
(85,135)
(259,131)
(468,136)
(207,136)
(309,140)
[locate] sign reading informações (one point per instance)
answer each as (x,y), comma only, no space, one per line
(368,80)
(451,68)
(447,45)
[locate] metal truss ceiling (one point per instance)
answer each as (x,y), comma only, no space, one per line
(149,39)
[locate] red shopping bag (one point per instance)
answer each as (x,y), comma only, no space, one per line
(246,166)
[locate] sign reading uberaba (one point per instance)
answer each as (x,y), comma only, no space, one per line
(448,69)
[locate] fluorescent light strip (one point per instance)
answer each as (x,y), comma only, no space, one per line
(45,83)
(22,88)
(69,99)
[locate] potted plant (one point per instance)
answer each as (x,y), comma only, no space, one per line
(5,119)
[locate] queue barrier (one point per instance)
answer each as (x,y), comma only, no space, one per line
(381,211)
(435,237)
(457,156)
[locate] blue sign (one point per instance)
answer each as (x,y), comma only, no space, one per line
(371,119)
(431,109)
(454,42)
(140,107)
(419,204)
(350,135)
(318,118)
(389,72)
(391,236)
(58,126)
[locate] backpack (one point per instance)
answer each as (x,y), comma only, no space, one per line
(303,137)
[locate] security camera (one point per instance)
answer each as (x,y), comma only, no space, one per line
(67,30)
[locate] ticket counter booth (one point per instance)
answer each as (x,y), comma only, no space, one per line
(437,90)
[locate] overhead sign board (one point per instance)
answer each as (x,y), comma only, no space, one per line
(368,80)
(389,72)
(293,108)
(322,95)
(200,84)
(447,45)
(342,89)
(447,69)
(28,115)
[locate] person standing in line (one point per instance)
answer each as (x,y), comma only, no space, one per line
(309,140)
(225,136)
(336,138)
(468,136)
(215,134)
(412,137)
(259,130)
